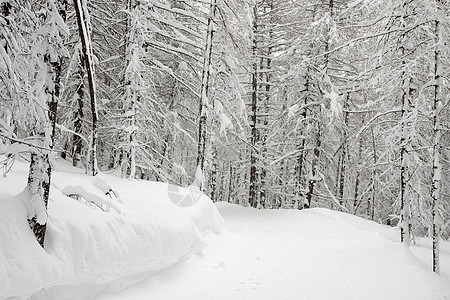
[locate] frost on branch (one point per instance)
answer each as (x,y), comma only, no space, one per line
(292,110)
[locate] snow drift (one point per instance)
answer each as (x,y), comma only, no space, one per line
(95,239)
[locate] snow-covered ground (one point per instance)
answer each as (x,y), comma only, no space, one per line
(309,254)
(166,243)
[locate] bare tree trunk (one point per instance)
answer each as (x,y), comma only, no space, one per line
(81,13)
(230,185)
(77,142)
(436,172)
(314,176)
(169,139)
(36,188)
(279,199)
(343,160)
(300,182)
(405,140)
(204,101)
(213,177)
(371,205)
(253,202)
(358,174)
(267,96)
(132,85)
(404,200)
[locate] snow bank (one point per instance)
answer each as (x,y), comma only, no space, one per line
(88,246)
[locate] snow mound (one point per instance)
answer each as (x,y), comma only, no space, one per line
(91,247)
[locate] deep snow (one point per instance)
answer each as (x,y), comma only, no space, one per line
(168,239)
(308,254)
(88,249)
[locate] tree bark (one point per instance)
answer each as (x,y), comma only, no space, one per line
(40,171)
(436,171)
(300,182)
(404,139)
(213,177)
(313,176)
(204,102)
(81,14)
(253,202)
(357,179)
(77,142)
(343,160)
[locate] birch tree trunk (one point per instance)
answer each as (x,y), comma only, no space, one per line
(436,172)
(405,220)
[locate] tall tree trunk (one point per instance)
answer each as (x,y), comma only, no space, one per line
(372,199)
(279,199)
(204,101)
(83,30)
(77,142)
(404,174)
(314,176)
(300,180)
(263,180)
(437,104)
(230,185)
(357,178)
(343,160)
(253,190)
(169,139)
(213,177)
(405,221)
(40,171)
(132,85)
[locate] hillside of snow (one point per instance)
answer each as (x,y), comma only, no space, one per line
(96,240)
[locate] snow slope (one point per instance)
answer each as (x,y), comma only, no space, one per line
(89,250)
(309,254)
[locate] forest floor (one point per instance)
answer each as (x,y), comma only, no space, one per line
(309,254)
(159,241)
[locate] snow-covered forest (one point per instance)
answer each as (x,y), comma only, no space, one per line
(268,104)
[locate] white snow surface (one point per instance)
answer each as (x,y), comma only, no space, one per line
(89,250)
(155,249)
(309,254)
